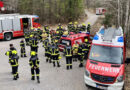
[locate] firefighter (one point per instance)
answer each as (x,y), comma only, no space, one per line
(14,64)
(23,51)
(45,42)
(9,53)
(46,28)
(56,41)
(60,29)
(70,26)
(75,51)
(88,27)
(26,36)
(85,50)
(55,54)
(57,35)
(68,54)
(34,44)
(81,55)
(34,63)
(44,35)
(48,53)
(83,27)
(39,33)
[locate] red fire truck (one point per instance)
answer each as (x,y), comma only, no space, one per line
(2,8)
(72,39)
(105,67)
(14,25)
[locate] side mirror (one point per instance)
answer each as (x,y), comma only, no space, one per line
(127,61)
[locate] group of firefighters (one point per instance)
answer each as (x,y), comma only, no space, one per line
(50,40)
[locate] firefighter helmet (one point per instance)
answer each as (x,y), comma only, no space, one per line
(14,52)
(83,24)
(33,53)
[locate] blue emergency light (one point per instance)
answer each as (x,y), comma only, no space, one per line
(120,39)
(102,31)
(96,37)
(80,32)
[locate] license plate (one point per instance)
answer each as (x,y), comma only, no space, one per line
(101,87)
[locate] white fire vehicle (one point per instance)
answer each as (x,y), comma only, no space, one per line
(105,67)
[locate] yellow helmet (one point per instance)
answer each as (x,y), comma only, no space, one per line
(89,23)
(83,24)
(60,57)
(75,22)
(14,52)
(31,35)
(7,53)
(33,53)
(57,32)
(38,27)
(70,23)
(86,40)
(32,28)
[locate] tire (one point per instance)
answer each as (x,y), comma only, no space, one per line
(8,36)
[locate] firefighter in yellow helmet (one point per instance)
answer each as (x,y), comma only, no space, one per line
(44,35)
(88,27)
(34,64)
(60,29)
(9,53)
(75,51)
(14,64)
(83,27)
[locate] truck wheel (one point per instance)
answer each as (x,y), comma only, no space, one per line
(8,37)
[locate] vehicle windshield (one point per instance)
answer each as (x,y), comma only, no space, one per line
(64,42)
(105,54)
(36,20)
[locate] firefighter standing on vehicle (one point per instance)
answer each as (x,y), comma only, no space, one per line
(34,63)
(81,55)
(9,53)
(68,54)
(14,64)
(55,55)
(88,27)
(23,51)
(34,44)
(75,51)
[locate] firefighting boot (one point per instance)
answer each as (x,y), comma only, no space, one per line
(50,61)
(33,78)
(17,76)
(47,60)
(54,64)
(80,65)
(25,55)
(21,55)
(71,67)
(38,81)
(14,78)
(58,64)
(67,67)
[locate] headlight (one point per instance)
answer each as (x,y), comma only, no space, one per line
(120,78)
(87,73)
